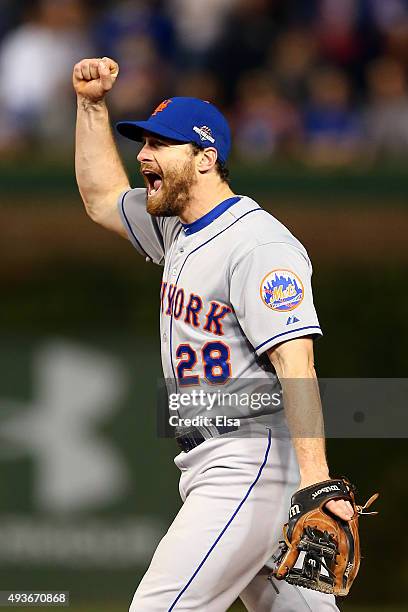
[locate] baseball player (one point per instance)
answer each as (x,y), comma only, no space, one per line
(236,305)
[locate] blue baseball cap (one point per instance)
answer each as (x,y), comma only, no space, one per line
(184,120)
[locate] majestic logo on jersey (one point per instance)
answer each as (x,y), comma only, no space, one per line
(292,320)
(204,133)
(282,290)
(161,107)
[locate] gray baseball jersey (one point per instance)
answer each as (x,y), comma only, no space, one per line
(236,282)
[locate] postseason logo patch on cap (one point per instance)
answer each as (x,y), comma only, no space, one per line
(204,133)
(281,290)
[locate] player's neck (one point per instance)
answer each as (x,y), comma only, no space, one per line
(203,199)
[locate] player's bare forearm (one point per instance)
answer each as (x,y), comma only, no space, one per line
(293,362)
(99,170)
(294,365)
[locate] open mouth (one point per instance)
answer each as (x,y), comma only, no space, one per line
(153,181)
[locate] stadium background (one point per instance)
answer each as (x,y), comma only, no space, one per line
(317,94)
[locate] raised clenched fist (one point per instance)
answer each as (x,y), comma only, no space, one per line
(93,78)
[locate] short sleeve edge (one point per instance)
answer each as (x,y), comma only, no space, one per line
(308,330)
(132,235)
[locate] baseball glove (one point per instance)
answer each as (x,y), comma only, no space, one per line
(331,545)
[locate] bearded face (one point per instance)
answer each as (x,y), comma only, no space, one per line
(168,188)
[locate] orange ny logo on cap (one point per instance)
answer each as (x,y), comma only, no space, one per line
(161,107)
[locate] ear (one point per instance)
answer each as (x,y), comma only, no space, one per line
(208,159)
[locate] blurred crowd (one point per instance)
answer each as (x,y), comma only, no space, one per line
(321,81)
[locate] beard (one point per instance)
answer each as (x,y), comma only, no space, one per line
(174,194)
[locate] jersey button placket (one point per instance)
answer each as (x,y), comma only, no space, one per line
(176,265)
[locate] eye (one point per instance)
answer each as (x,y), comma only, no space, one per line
(156,143)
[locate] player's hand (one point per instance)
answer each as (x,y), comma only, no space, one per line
(93,78)
(341,508)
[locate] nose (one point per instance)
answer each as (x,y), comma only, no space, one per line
(145,154)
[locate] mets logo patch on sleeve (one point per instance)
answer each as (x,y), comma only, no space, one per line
(281,290)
